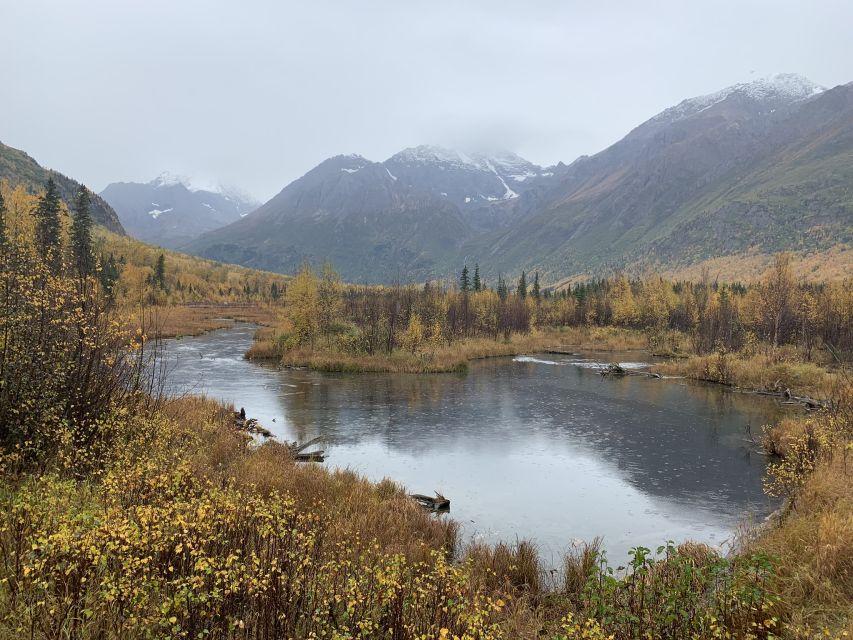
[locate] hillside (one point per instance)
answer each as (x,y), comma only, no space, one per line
(170,212)
(747,171)
(17,168)
(405,218)
(744,171)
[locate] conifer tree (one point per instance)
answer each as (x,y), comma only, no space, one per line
(464,281)
(109,275)
(522,286)
(478,285)
(160,272)
(502,288)
(81,235)
(536,290)
(2,222)
(48,227)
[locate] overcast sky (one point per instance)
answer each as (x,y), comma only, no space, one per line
(255,93)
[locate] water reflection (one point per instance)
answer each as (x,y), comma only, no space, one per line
(542,447)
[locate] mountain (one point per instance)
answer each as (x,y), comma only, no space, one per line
(758,167)
(488,189)
(752,169)
(381,220)
(351,211)
(170,211)
(17,168)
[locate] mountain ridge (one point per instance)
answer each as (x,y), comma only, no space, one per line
(760,166)
(19,168)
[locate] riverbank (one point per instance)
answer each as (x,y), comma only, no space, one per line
(760,372)
(190,527)
(176,321)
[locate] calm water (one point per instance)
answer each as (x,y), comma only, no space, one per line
(537,447)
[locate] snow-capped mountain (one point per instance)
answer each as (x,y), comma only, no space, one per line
(466,179)
(767,94)
(762,166)
(171,210)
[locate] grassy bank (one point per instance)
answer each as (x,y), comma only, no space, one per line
(766,371)
(176,321)
(446,357)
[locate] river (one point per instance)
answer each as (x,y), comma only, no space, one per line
(535,447)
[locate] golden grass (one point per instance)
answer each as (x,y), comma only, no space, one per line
(174,321)
(833,264)
(760,372)
(814,550)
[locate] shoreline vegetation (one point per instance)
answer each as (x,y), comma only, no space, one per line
(125,514)
(775,336)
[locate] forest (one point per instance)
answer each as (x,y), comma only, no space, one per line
(127,513)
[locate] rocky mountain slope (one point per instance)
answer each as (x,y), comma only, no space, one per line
(757,167)
(170,211)
(762,167)
(17,168)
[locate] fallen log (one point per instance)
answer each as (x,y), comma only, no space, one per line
(615,369)
(313,456)
(298,448)
(436,503)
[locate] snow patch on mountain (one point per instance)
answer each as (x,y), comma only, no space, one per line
(156,213)
(169,179)
(785,87)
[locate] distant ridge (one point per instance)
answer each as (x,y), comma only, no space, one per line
(171,211)
(18,168)
(752,169)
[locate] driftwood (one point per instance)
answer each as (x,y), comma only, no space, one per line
(790,398)
(615,369)
(433,503)
(314,456)
(298,451)
(250,425)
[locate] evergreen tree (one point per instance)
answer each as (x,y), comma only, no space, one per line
(502,288)
(81,235)
(48,227)
(522,286)
(274,294)
(536,291)
(2,222)
(160,272)
(109,276)
(464,281)
(478,285)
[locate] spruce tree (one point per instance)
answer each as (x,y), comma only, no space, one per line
(502,288)
(478,285)
(522,286)
(48,227)
(464,281)
(160,272)
(536,291)
(81,235)
(2,222)
(109,275)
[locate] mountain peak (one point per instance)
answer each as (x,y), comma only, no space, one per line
(779,89)
(169,179)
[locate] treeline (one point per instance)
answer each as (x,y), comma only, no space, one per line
(131,272)
(776,311)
